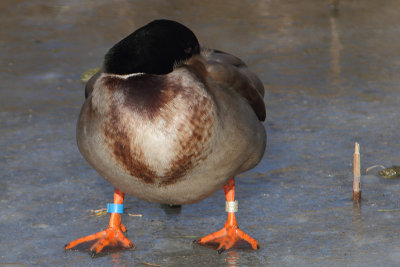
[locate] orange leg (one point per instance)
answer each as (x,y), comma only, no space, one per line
(230,235)
(111,239)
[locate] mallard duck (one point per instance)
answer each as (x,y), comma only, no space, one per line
(168,121)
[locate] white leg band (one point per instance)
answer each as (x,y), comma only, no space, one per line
(231,206)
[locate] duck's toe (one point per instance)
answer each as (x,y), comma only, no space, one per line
(109,240)
(227,238)
(230,236)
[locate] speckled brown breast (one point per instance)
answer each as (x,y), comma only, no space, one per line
(153,98)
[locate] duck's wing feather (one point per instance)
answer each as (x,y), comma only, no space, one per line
(223,57)
(90,84)
(232,71)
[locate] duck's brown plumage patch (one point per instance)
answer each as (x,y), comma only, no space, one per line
(119,142)
(147,97)
(145,94)
(193,145)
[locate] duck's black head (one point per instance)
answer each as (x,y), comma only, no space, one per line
(153,49)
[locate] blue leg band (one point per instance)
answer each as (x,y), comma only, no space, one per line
(115,208)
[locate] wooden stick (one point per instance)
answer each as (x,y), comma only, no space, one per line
(357,174)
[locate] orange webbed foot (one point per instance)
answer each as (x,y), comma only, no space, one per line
(109,240)
(227,238)
(230,236)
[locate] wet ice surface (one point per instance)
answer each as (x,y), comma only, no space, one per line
(331,79)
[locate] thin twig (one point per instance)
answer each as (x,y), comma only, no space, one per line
(151,264)
(373,167)
(135,215)
(98,212)
(357,174)
(388,210)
